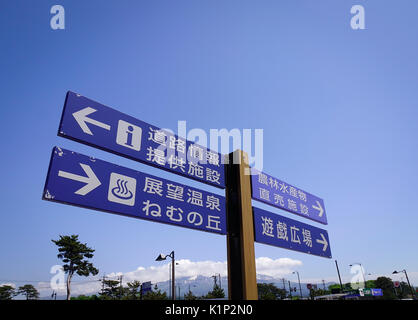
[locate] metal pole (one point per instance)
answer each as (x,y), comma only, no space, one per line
(407,279)
(173,289)
(290,290)
(300,288)
(169,283)
(339,277)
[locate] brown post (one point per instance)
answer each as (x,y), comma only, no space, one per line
(242,283)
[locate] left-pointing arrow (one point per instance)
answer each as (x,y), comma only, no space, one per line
(92,182)
(82,120)
(324,242)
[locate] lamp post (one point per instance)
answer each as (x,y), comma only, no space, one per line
(407,279)
(300,288)
(163,257)
(339,277)
(362,272)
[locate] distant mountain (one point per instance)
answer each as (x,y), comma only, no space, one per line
(201,285)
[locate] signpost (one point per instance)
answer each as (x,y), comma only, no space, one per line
(94,124)
(275,230)
(87,182)
(282,195)
(95,184)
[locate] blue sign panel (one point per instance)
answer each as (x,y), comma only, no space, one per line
(95,184)
(146,287)
(94,124)
(278,231)
(377,292)
(282,195)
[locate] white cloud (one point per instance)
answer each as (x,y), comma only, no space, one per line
(276,268)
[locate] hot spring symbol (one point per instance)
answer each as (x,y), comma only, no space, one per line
(121,190)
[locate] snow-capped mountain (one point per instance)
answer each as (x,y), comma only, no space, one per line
(201,285)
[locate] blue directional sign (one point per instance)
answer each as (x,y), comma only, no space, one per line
(376,292)
(95,184)
(278,231)
(94,124)
(146,287)
(282,195)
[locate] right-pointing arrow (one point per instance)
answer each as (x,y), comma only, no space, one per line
(324,242)
(81,118)
(92,182)
(319,208)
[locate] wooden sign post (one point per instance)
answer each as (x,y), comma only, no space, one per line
(242,283)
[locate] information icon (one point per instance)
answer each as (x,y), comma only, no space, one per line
(129,135)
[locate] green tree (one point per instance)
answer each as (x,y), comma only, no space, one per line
(370,284)
(111,290)
(268,291)
(334,287)
(84,297)
(155,294)
(133,290)
(404,291)
(75,255)
(29,291)
(189,296)
(216,293)
(318,291)
(7,292)
(387,287)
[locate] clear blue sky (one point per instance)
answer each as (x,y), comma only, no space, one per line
(338,107)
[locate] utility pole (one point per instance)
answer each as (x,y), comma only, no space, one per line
(290,290)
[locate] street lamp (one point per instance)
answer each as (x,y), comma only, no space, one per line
(407,279)
(163,257)
(362,271)
(300,288)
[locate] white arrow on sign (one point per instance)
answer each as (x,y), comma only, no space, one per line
(319,208)
(82,120)
(92,182)
(324,242)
